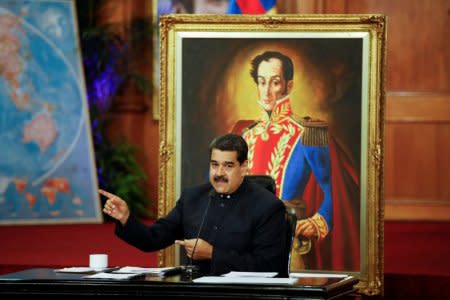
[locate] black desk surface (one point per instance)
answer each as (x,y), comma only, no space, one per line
(48,282)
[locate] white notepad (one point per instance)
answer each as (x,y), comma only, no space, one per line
(250,274)
(244,280)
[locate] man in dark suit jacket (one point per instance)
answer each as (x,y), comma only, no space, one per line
(227,224)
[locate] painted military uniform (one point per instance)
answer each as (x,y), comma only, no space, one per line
(291,150)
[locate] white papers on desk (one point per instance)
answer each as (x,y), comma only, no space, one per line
(75,270)
(317,275)
(250,274)
(103,275)
(244,280)
(140,270)
(84,270)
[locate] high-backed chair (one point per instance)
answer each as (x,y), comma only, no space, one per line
(264,180)
(269,183)
(291,219)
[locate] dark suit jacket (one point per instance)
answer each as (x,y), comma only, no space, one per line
(247,229)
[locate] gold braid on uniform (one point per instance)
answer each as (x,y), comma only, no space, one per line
(315,132)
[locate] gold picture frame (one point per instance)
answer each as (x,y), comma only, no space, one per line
(206,88)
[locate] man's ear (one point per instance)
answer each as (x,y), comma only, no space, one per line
(290,85)
(244,168)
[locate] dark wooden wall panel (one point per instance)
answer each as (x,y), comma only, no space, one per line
(418,42)
(417,173)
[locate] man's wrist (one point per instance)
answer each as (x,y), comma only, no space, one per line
(124,220)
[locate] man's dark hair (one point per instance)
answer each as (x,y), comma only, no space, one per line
(288,66)
(230,142)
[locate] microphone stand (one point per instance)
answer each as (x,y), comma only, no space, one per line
(191,269)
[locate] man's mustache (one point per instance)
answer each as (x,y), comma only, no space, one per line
(220,178)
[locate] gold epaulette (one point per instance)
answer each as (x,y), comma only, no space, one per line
(315,132)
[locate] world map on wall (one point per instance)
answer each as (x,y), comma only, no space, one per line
(47,170)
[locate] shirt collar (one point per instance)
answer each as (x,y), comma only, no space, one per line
(235,194)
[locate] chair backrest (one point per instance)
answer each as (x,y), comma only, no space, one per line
(291,219)
(264,180)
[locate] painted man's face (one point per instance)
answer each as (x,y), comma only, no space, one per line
(225,171)
(271,83)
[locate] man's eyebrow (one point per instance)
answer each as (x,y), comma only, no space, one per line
(274,76)
(227,162)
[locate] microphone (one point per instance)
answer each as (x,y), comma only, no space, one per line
(191,268)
